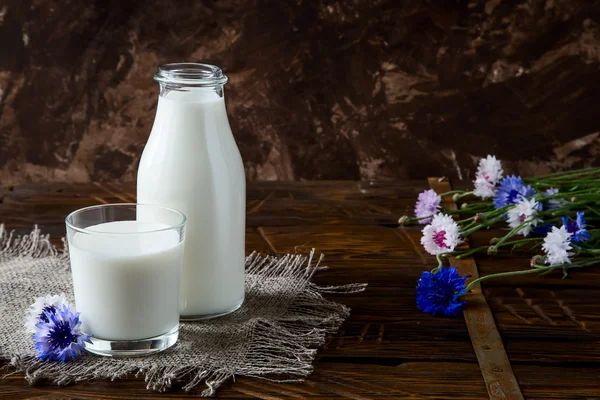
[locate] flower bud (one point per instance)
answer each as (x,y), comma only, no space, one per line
(536,260)
(403,221)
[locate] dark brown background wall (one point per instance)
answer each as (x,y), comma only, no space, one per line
(346,89)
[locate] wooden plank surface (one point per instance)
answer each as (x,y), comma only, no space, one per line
(387,348)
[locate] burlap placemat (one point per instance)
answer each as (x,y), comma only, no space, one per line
(274,334)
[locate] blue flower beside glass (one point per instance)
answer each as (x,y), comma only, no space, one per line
(59,337)
(55,328)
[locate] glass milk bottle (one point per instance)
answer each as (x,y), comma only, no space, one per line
(191,163)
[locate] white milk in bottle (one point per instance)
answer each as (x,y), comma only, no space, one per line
(191,163)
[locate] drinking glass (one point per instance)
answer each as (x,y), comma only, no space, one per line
(126,262)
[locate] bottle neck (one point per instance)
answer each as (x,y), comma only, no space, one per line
(179,92)
(190,80)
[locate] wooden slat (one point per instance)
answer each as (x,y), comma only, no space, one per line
(495,366)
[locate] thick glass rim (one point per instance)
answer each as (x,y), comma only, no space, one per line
(190,74)
(118,205)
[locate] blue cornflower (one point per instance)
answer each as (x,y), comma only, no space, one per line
(576,227)
(37,310)
(60,337)
(511,190)
(48,309)
(439,293)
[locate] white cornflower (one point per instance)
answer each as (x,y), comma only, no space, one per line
(489,173)
(525,210)
(557,244)
(41,304)
(441,236)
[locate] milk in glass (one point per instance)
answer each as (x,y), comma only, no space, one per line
(127,285)
(191,163)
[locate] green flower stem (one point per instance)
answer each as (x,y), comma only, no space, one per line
(484,248)
(471,251)
(484,224)
(539,244)
(573,172)
(566,185)
(523,241)
(592,210)
(498,275)
(568,207)
(438,257)
(409,220)
(470,226)
(510,234)
(561,180)
(451,192)
(564,175)
(471,209)
(537,269)
(589,177)
(485,217)
(569,194)
(459,196)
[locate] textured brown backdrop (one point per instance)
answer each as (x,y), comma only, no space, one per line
(346,89)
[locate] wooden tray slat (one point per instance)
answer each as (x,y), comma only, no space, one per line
(493,361)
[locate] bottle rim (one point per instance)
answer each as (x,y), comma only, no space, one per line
(190,74)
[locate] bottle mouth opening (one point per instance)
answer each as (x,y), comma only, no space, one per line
(190,74)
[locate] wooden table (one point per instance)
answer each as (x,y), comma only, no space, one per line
(387,348)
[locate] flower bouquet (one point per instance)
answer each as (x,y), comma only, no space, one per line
(554,217)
